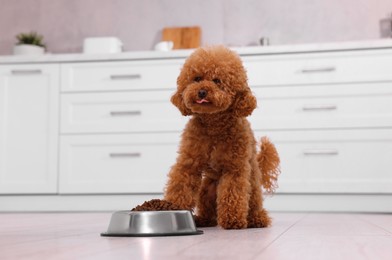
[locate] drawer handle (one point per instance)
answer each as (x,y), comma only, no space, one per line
(316,152)
(125,155)
(319,107)
(125,77)
(126,113)
(25,72)
(318,70)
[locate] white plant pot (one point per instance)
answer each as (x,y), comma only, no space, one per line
(28,49)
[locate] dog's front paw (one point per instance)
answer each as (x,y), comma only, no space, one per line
(204,222)
(233,223)
(259,220)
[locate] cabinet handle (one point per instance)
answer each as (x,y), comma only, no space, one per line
(126,113)
(319,107)
(26,72)
(125,77)
(311,152)
(318,70)
(125,155)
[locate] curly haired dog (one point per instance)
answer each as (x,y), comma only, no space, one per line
(218,169)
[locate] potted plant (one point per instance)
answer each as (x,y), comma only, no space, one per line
(29,44)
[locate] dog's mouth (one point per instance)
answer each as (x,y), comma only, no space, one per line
(203,101)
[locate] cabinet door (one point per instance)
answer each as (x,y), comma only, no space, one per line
(334,161)
(119,112)
(28,128)
(129,163)
(120,75)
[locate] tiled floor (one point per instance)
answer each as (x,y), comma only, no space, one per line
(292,236)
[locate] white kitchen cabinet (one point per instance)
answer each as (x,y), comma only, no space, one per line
(322,106)
(120,75)
(328,109)
(118,129)
(128,163)
(334,161)
(318,67)
(119,112)
(330,115)
(28,128)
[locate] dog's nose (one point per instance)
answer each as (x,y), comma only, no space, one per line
(202,93)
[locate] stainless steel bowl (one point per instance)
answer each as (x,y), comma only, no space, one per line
(152,223)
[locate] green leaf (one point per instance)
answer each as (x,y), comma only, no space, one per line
(30,38)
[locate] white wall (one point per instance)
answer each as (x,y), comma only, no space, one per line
(65,23)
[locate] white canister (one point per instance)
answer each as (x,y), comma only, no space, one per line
(164,46)
(102,45)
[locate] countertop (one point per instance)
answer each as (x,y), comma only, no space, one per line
(181,54)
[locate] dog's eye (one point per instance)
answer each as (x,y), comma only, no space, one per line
(216,81)
(197,79)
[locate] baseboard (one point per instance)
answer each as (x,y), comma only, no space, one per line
(279,202)
(58,203)
(378,203)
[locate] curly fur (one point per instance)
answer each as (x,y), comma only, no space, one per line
(218,169)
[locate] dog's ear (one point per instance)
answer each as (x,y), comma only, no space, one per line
(178,101)
(244,103)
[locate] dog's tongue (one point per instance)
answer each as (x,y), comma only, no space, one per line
(201,101)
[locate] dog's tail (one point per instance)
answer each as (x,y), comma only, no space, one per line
(269,161)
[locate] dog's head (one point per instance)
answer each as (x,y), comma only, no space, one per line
(213,80)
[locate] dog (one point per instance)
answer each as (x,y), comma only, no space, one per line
(218,169)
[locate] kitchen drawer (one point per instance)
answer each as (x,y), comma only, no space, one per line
(323,106)
(137,163)
(109,76)
(314,68)
(139,111)
(335,161)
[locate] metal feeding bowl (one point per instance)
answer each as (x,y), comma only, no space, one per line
(152,223)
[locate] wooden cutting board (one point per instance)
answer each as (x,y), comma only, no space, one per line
(182,37)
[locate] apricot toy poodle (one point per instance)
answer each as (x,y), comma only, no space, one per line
(218,169)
